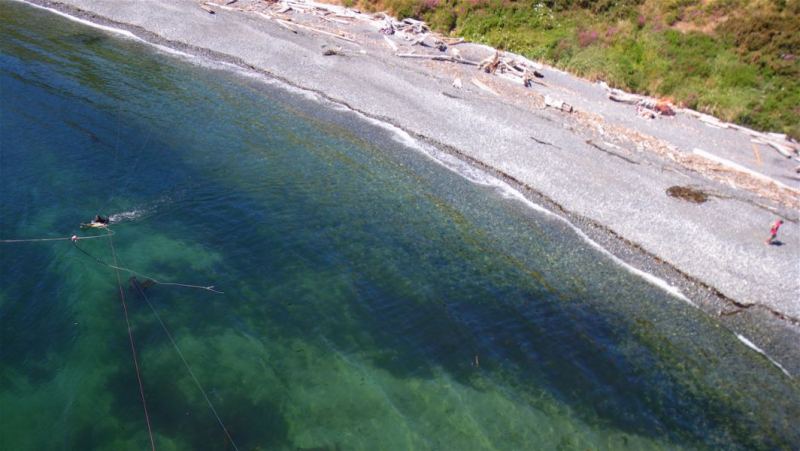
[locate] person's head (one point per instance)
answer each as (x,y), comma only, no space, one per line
(780,221)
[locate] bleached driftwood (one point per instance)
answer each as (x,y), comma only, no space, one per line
(300,6)
(737,167)
(490,64)
(559,104)
(336,20)
(622,97)
(782,149)
(483,86)
(227,8)
(283,23)
(391,43)
(316,30)
(437,58)
(453,41)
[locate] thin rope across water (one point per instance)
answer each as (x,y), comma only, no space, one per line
(66,238)
(144,276)
(138,287)
(133,348)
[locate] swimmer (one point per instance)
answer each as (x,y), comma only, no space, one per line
(97,222)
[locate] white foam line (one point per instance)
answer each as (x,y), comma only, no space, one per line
(307,93)
(118,31)
(206,62)
(448,161)
(478,176)
(752,346)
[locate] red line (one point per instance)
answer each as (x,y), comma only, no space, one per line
(133,347)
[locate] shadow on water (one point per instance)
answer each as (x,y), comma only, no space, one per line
(345,265)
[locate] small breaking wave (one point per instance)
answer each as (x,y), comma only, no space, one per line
(481,177)
(755,348)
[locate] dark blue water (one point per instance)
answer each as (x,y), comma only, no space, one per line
(373,299)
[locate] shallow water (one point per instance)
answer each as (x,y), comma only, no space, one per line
(373,299)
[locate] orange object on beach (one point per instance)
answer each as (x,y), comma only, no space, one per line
(664,109)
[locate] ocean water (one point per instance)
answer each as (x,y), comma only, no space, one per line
(373,297)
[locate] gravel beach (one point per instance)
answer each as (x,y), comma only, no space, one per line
(601,165)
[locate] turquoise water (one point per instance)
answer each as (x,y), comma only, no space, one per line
(373,299)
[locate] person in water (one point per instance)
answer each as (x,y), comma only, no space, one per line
(99,220)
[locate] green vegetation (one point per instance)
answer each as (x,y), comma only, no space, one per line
(736,59)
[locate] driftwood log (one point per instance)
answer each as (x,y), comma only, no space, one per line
(437,58)
(316,30)
(483,86)
(490,65)
(559,104)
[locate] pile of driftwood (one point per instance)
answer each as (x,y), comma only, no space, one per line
(406,33)
(282,9)
(652,108)
(415,32)
(508,64)
(409,29)
(784,145)
(645,106)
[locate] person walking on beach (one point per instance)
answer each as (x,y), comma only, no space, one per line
(773,232)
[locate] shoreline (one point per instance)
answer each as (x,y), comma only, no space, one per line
(775,329)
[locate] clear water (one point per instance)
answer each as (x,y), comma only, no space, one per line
(373,298)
